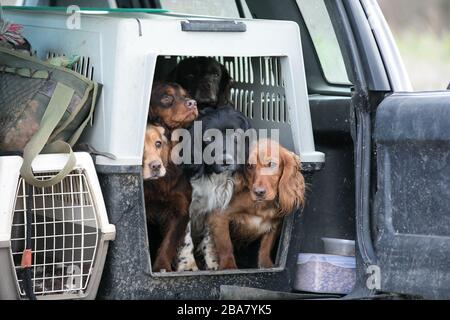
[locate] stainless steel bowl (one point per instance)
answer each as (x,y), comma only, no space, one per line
(339,247)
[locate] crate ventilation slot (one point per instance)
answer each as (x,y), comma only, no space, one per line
(273,107)
(243,101)
(83,67)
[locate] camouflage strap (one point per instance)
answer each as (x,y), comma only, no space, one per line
(53,114)
(76,135)
(88,120)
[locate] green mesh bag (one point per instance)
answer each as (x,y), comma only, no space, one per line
(43,109)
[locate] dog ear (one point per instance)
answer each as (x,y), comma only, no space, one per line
(165,136)
(224,87)
(206,111)
(155,96)
(240,181)
(194,170)
(291,188)
(246,123)
(152,117)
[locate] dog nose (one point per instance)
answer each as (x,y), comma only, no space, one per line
(259,192)
(190,104)
(155,165)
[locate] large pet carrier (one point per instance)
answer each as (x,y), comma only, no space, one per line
(126,53)
(66,225)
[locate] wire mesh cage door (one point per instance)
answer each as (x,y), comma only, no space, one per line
(65,235)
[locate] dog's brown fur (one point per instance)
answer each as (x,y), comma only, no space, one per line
(251,216)
(167,197)
(171,106)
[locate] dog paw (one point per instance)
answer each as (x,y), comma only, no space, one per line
(162,266)
(212,265)
(266,264)
(193,267)
(187,266)
(227,264)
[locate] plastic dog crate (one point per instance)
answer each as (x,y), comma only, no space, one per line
(126,53)
(121,52)
(69,230)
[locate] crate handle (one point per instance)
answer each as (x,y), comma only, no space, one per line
(213,26)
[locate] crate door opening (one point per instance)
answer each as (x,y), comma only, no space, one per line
(258,91)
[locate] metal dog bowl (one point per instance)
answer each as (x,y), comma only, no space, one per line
(339,247)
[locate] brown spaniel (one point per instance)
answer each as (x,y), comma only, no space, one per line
(167,196)
(171,106)
(270,188)
(167,199)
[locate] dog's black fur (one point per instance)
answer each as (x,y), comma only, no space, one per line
(206,80)
(213,182)
(222,118)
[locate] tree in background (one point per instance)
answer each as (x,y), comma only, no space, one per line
(422,31)
(418,15)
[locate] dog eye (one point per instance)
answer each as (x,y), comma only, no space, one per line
(271,164)
(216,75)
(158,144)
(167,100)
(190,76)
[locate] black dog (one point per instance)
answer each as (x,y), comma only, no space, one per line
(222,119)
(206,80)
(213,182)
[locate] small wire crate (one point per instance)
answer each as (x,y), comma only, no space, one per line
(69,230)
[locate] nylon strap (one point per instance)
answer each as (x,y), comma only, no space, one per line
(56,108)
